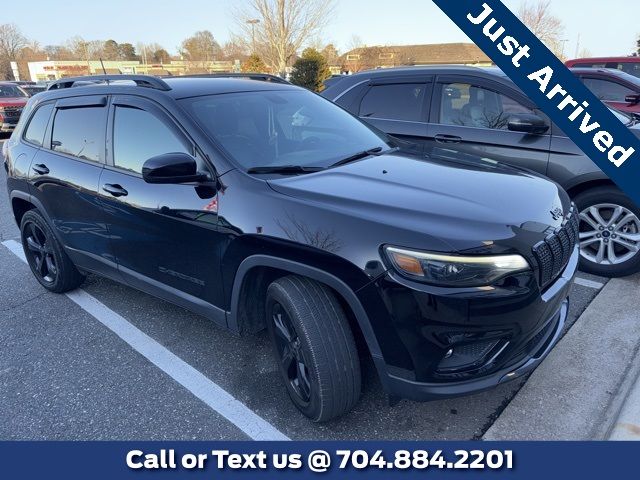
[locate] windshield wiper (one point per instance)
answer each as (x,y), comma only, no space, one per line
(284,169)
(366,153)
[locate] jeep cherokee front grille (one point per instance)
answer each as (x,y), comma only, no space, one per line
(553,253)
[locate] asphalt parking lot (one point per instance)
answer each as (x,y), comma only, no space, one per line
(67,374)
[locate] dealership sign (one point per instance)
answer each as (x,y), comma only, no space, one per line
(556,91)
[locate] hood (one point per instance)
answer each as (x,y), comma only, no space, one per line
(13,101)
(464,203)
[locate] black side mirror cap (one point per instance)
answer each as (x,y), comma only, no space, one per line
(172,168)
(527,123)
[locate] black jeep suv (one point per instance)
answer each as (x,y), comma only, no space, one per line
(261,205)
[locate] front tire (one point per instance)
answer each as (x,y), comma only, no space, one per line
(46,257)
(314,346)
(609,232)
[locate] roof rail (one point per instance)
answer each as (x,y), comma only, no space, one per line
(263,77)
(147,81)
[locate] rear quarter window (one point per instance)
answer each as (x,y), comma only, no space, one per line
(37,126)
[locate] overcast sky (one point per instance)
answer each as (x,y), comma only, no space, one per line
(376,22)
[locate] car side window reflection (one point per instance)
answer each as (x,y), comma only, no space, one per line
(35,131)
(79,132)
(394,102)
(469,105)
(139,135)
(608,91)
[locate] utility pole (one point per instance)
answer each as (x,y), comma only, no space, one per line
(564,43)
(253,22)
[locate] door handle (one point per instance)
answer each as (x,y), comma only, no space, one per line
(448,139)
(40,169)
(115,190)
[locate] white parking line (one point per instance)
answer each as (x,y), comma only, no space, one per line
(199,385)
(588,283)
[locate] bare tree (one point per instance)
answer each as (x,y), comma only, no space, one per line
(354,57)
(11,43)
(85,49)
(284,27)
(537,16)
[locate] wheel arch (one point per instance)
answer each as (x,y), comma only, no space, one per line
(257,271)
(582,184)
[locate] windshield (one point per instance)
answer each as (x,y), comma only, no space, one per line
(9,91)
(278,128)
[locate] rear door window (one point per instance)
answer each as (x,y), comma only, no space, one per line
(79,132)
(394,102)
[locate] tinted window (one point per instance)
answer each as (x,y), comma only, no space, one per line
(394,102)
(607,91)
(472,106)
(138,136)
(351,99)
(631,68)
(79,132)
(38,125)
(9,91)
(288,127)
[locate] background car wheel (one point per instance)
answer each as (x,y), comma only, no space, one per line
(314,347)
(609,232)
(48,261)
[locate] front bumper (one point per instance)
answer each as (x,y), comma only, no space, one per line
(420,391)
(523,322)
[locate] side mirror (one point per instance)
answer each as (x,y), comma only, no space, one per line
(172,168)
(633,99)
(527,123)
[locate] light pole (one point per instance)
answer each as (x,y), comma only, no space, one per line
(253,22)
(564,43)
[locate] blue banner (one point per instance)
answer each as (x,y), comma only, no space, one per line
(555,90)
(387,460)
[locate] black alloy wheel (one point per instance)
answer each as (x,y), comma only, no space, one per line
(39,253)
(292,359)
(315,351)
(46,257)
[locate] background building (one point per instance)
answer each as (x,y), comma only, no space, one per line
(365,58)
(55,69)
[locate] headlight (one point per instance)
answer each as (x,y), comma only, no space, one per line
(452,270)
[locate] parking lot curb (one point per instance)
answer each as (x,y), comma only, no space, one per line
(578,391)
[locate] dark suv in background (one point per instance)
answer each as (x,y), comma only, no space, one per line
(446,111)
(262,205)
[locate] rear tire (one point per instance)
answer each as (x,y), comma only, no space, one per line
(609,232)
(46,257)
(314,346)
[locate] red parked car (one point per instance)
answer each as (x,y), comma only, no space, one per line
(630,65)
(12,101)
(617,89)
